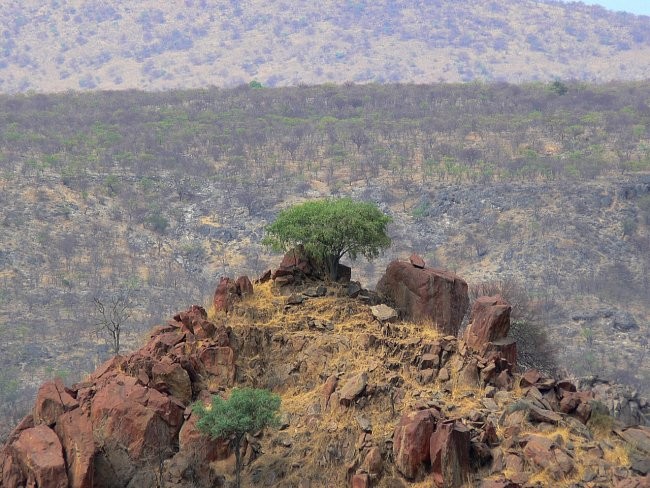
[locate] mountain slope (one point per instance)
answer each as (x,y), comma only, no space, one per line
(69,44)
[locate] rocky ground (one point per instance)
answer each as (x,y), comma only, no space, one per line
(368,399)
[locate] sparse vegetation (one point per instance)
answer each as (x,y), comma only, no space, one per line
(245,411)
(510,185)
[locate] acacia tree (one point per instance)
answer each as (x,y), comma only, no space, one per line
(246,411)
(330,229)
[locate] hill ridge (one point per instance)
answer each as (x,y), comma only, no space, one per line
(68,45)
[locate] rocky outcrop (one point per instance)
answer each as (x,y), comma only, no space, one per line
(75,431)
(345,378)
(297,266)
(623,402)
(115,428)
(52,400)
(426,294)
(230,291)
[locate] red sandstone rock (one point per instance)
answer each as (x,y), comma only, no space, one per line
(373,463)
(449,452)
(360,481)
(426,294)
(545,454)
(327,390)
(39,454)
(489,322)
(199,446)
(76,434)
(52,400)
(353,388)
(578,403)
(417,261)
(529,378)
(11,473)
(219,362)
(173,379)
(140,419)
(411,441)
(244,286)
(225,295)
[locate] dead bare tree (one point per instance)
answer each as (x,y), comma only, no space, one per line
(113,314)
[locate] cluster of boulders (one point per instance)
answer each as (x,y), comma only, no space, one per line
(231,291)
(116,428)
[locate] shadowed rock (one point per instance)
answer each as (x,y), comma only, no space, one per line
(449,452)
(411,441)
(426,294)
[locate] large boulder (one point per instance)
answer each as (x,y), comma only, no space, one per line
(129,416)
(76,434)
(411,441)
(225,295)
(450,453)
(220,363)
(173,379)
(39,456)
(489,322)
(546,454)
(230,291)
(353,388)
(426,294)
(52,400)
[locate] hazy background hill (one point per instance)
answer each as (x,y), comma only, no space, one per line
(65,44)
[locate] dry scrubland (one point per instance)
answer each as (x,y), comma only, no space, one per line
(67,44)
(544,185)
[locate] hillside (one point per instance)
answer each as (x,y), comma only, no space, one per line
(64,44)
(159,194)
(365,403)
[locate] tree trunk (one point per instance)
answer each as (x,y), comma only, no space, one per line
(333,265)
(238,462)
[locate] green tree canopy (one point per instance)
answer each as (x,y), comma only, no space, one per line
(330,229)
(246,411)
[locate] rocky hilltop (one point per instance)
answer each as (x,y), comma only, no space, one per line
(379,389)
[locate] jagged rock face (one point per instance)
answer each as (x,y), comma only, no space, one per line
(76,433)
(131,425)
(426,294)
(52,400)
(230,291)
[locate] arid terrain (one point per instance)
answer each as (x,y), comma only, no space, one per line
(544,189)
